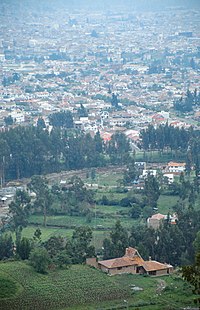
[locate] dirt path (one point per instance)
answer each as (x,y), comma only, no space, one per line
(161,286)
(56,177)
(66,175)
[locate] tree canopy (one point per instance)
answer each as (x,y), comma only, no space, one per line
(62,119)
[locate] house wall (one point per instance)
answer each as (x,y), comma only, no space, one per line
(157,272)
(92,262)
(104,269)
(154,223)
(164,272)
(171,270)
(176,169)
(114,271)
(161,272)
(129,269)
(170,177)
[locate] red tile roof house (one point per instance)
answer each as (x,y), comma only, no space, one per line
(155,220)
(132,263)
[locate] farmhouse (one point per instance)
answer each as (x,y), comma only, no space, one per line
(132,263)
(126,264)
(155,220)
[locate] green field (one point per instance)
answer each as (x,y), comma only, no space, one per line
(81,287)
(101,226)
(106,216)
(157,156)
(74,221)
(166,203)
(110,194)
(47,232)
(106,178)
(111,210)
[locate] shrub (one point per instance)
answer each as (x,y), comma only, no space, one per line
(39,259)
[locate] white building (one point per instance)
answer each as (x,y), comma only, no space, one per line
(175,167)
(18,117)
(145,172)
(170,177)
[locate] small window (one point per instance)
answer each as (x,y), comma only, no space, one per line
(152,273)
(119,268)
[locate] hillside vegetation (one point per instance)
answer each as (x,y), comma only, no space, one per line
(82,287)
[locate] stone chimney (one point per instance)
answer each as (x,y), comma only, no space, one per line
(130,252)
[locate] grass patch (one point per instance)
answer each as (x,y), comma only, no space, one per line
(111,209)
(166,203)
(157,156)
(47,232)
(97,241)
(8,288)
(109,178)
(74,221)
(111,195)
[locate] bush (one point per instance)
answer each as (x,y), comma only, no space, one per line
(125,202)
(24,247)
(7,288)
(39,259)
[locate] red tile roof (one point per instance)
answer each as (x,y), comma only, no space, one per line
(153,266)
(133,258)
(173,164)
(158,216)
(120,262)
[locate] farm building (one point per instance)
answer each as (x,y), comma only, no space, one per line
(155,220)
(131,262)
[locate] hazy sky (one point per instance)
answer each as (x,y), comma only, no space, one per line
(140,4)
(108,4)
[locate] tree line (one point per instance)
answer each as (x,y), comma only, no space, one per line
(187,103)
(27,151)
(171,243)
(174,139)
(56,252)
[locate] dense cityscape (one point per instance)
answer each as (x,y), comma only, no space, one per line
(63,60)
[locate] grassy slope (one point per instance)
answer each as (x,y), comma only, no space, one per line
(81,287)
(106,178)
(102,225)
(166,203)
(156,156)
